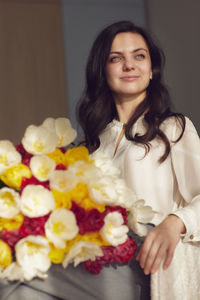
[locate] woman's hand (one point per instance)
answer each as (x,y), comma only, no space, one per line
(160,244)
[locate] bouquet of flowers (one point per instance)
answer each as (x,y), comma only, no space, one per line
(60,205)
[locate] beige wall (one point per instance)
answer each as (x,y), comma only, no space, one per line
(176,23)
(32,79)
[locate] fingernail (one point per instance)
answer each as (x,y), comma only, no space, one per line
(165,267)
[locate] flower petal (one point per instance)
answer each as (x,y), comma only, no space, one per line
(60,227)
(9,156)
(16,272)
(32,255)
(5,255)
(9,203)
(42,167)
(80,252)
(105,164)
(65,131)
(62,127)
(36,201)
(139,213)
(113,230)
(39,140)
(13,176)
(62,180)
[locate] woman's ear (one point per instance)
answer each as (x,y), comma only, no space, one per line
(151,75)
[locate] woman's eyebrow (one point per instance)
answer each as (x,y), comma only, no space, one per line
(138,49)
(115,52)
(135,50)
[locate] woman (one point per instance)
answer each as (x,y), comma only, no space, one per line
(125,111)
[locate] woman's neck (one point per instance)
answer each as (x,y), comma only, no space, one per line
(126,107)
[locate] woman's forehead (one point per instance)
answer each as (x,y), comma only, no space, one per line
(128,40)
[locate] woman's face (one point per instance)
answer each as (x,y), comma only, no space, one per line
(128,69)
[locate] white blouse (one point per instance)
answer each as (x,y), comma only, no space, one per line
(169,187)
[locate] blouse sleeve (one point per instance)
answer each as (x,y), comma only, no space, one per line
(186,164)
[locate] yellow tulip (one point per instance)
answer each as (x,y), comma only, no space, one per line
(5,255)
(56,255)
(11,224)
(12,177)
(76,154)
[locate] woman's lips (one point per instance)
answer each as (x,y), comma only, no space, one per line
(129,78)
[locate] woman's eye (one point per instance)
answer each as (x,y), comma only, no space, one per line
(114,59)
(140,56)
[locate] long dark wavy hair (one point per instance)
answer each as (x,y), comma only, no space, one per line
(97,107)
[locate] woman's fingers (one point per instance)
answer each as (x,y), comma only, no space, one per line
(169,257)
(148,252)
(165,253)
(152,254)
(144,251)
(160,244)
(160,256)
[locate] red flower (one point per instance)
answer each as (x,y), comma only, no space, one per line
(108,257)
(93,266)
(78,211)
(62,149)
(34,181)
(92,222)
(122,253)
(88,221)
(60,167)
(119,209)
(25,155)
(33,226)
(11,237)
(125,251)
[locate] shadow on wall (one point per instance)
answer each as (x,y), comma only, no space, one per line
(176,24)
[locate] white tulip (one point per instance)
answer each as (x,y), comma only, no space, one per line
(111,190)
(126,196)
(39,140)
(36,201)
(61,227)
(103,190)
(63,180)
(16,272)
(113,230)
(9,203)
(87,172)
(9,156)
(62,127)
(105,164)
(42,167)
(32,260)
(80,252)
(32,255)
(139,215)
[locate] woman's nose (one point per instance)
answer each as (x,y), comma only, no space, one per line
(128,64)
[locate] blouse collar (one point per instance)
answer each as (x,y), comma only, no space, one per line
(139,124)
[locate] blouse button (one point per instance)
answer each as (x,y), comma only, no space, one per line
(191,236)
